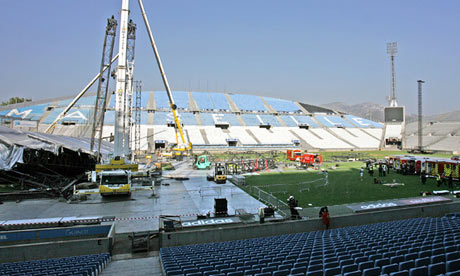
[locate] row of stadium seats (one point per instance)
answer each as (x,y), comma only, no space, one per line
(316,138)
(421,246)
(86,265)
(210,119)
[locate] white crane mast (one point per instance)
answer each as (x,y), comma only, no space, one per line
(120,92)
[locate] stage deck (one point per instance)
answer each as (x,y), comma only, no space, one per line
(186,198)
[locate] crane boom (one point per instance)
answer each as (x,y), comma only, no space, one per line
(163,75)
(52,126)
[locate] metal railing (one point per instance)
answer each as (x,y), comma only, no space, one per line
(281,207)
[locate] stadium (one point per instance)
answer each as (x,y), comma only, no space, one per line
(218,120)
(100,183)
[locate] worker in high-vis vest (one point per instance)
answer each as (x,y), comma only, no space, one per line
(438,179)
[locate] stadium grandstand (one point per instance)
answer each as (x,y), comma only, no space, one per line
(212,120)
(436,136)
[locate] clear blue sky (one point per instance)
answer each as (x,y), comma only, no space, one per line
(310,51)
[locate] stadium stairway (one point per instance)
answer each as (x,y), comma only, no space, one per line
(340,138)
(253,136)
(269,107)
(303,143)
(420,246)
(191,102)
(233,106)
(205,137)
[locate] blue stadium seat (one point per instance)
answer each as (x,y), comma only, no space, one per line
(387,269)
(296,270)
(381,262)
(406,265)
(365,265)
(400,273)
(331,264)
(353,273)
(251,271)
(422,262)
(315,267)
(235,273)
(452,256)
(281,273)
(437,269)
(453,265)
(345,262)
(315,273)
(331,271)
(375,271)
(349,268)
(418,271)
(285,267)
(269,269)
(190,270)
(227,270)
(411,256)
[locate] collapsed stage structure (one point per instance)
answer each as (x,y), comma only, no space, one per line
(49,163)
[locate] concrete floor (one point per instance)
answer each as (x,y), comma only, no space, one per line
(186,198)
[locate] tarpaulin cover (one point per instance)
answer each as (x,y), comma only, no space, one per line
(13,142)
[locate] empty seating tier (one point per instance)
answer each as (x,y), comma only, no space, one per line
(293,121)
(88,101)
(76,115)
(163,118)
(211,119)
(333,121)
(282,105)
(257,120)
(361,122)
(180,99)
(33,112)
(211,101)
(248,102)
(86,265)
(421,246)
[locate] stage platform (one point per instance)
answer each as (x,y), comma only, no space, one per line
(186,198)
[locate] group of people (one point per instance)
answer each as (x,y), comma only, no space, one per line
(382,168)
(441,179)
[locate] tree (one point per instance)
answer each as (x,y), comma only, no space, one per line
(16,100)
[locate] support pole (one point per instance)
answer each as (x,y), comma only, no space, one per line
(420,123)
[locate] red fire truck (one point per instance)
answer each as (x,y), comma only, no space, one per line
(293,154)
(310,160)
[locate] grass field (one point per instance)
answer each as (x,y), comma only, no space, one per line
(345,185)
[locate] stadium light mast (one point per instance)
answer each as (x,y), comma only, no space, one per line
(420,141)
(392,50)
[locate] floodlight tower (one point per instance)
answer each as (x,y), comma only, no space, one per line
(392,50)
(420,115)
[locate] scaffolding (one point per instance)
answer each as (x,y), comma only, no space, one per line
(103,85)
